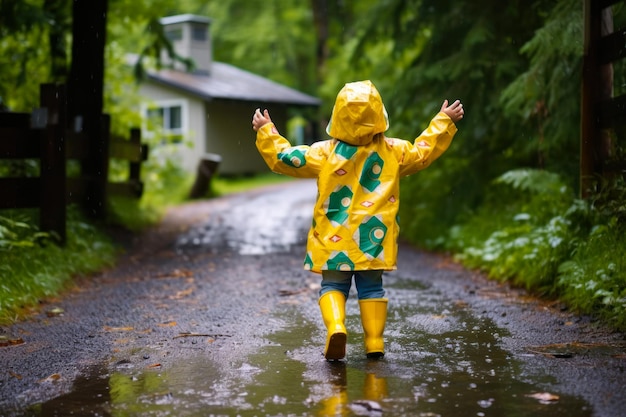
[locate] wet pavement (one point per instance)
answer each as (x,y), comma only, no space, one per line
(211,314)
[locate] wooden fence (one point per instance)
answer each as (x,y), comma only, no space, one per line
(603,116)
(43,136)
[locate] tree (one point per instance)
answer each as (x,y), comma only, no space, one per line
(22,57)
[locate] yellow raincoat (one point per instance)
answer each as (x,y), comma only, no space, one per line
(355,223)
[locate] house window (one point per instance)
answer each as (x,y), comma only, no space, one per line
(199,33)
(175,34)
(169,116)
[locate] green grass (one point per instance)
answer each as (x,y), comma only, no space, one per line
(226,185)
(34,268)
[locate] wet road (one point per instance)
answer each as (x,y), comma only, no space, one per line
(211,314)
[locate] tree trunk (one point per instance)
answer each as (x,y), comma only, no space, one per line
(57,13)
(85,95)
(595,144)
(605,91)
(320,18)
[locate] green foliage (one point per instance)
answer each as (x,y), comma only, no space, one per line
(523,230)
(165,184)
(429,200)
(610,199)
(23,53)
(16,231)
(592,280)
(544,95)
(533,232)
(33,268)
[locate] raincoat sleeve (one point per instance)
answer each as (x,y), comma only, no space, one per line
(282,158)
(427,147)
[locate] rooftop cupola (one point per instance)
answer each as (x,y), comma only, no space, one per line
(190,38)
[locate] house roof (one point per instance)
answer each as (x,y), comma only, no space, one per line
(182,18)
(231,83)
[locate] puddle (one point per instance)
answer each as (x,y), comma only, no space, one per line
(440,362)
(258,231)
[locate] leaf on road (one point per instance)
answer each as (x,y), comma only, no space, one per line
(118,329)
(14,375)
(10,341)
(182,294)
(544,397)
(154,365)
(168,324)
(177,273)
(55,312)
(51,378)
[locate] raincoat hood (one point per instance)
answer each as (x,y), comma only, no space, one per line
(358,114)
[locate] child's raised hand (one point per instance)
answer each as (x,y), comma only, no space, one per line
(454,111)
(259,120)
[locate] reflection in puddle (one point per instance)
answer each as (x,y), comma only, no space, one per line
(441,361)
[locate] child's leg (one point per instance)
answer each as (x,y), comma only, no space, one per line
(333,295)
(369,284)
(336,281)
(373,310)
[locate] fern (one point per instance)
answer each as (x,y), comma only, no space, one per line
(17,230)
(532,180)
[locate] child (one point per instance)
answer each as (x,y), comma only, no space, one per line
(355,229)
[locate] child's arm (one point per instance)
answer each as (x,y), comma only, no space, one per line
(454,111)
(297,161)
(259,120)
(432,142)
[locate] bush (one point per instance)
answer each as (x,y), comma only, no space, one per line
(593,280)
(533,232)
(526,230)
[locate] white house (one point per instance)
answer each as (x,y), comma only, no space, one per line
(212,106)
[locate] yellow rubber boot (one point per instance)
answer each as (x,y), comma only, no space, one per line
(373,318)
(333,307)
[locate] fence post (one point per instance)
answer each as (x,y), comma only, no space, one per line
(135,167)
(96,169)
(52,204)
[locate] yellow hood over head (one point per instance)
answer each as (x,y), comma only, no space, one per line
(358,114)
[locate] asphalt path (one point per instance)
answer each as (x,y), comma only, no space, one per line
(211,313)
